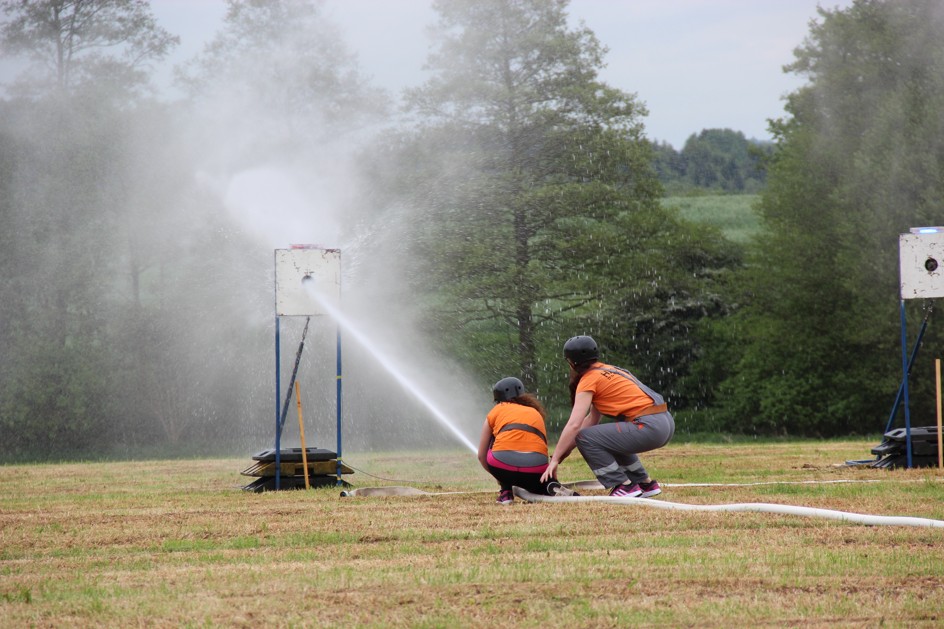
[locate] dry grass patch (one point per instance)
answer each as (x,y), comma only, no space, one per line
(176,543)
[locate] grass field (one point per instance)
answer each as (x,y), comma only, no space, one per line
(177,543)
(733,214)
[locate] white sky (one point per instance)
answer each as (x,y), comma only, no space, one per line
(697,64)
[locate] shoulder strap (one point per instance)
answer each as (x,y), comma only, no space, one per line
(656,398)
(526,428)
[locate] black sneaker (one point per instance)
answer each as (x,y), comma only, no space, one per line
(556,489)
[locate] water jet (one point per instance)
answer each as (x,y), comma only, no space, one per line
(308,284)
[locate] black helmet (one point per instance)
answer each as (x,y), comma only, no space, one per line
(507,389)
(581,349)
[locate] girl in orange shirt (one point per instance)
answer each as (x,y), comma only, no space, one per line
(513,446)
(642,422)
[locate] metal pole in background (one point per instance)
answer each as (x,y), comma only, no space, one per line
(278,410)
(904,366)
(911,362)
(339,403)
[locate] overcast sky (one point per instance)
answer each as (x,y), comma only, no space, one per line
(697,64)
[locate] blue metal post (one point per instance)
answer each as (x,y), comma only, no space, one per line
(278,410)
(901,387)
(339,404)
(904,366)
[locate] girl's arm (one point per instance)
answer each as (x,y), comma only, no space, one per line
(582,415)
(484,442)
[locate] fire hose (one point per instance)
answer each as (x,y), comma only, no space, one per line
(759,507)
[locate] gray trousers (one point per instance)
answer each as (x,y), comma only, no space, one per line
(610,449)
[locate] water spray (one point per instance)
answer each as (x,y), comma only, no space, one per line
(307,283)
(395,369)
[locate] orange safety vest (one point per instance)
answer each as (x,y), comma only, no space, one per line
(618,393)
(517,427)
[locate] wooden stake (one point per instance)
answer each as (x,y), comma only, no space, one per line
(301,432)
(937,377)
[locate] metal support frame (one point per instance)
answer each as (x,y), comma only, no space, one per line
(279,408)
(904,384)
(907,364)
(339,482)
(901,389)
(920,252)
(911,362)
(278,412)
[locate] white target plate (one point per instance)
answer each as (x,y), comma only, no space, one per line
(297,271)
(921,255)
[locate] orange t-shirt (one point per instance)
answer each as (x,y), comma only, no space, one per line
(613,394)
(505,413)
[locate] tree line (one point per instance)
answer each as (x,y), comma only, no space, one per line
(718,160)
(516,201)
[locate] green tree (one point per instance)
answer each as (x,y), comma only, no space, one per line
(274,91)
(723,159)
(57,279)
(74,42)
(65,192)
(669,166)
(858,161)
(278,78)
(538,210)
(714,159)
(542,151)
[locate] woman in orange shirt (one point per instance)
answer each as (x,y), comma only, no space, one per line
(642,422)
(513,446)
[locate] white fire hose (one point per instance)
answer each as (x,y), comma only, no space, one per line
(762,507)
(759,507)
